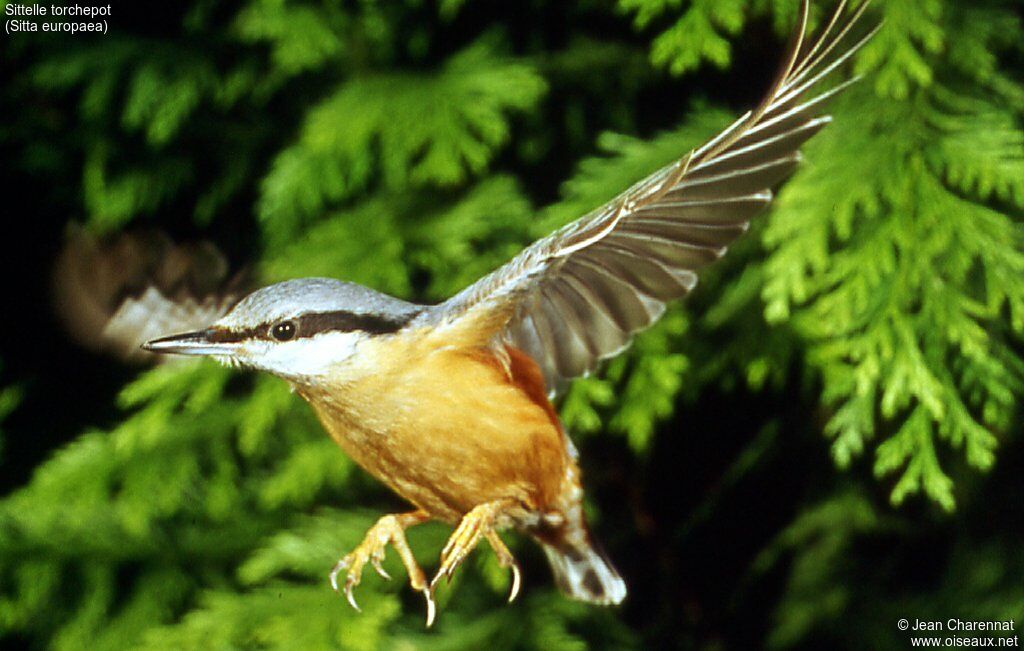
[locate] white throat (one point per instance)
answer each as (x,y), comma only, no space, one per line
(304,358)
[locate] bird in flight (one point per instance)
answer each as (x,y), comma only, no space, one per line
(450,405)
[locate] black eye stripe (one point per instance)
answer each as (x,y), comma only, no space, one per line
(342,321)
(314,323)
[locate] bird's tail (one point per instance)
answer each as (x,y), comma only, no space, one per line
(582,571)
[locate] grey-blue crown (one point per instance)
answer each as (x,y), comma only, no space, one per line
(292,298)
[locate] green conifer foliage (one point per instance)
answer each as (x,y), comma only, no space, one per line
(904,283)
(415,146)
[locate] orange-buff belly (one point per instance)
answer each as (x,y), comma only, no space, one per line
(451,429)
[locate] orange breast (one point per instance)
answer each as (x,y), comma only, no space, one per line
(451,429)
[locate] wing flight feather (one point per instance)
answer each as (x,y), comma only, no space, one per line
(115,294)
(579,295)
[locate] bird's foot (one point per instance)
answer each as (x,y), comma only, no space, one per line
(388,530)
(478,523)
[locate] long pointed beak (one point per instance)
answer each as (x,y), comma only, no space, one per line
(199,342)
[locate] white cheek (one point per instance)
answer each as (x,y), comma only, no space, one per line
(306,357)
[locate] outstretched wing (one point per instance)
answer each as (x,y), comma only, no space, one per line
(114,295)
(579,295)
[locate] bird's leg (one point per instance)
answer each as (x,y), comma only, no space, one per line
(388,530)
(478,523)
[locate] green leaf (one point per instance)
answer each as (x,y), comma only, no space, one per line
(410,129)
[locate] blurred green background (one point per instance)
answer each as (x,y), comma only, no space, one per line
(824,439)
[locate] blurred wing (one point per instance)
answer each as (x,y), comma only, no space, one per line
(579,295)
(113,296)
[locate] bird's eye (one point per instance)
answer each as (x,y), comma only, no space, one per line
(283,331)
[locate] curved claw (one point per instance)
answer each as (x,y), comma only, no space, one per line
(349,584)
(431,606)
(517,580)
(333,576)
(375,561)
(505,559)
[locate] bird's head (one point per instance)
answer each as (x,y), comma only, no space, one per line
(297,329)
